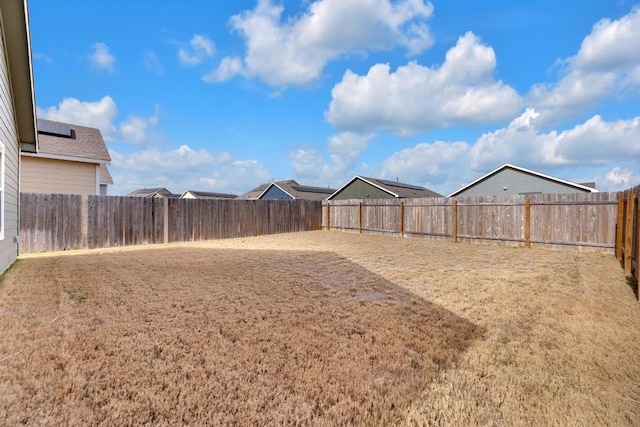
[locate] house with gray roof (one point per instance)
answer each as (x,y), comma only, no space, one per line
(191,194)
(291,190)
(155,192)
(362,187)
(70,159)
(254,193)
(510,180)
(17,119)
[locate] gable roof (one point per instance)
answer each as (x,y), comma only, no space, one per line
(152,192)
(254,193)
(583,187)
(81,143)
(396,189)
(300,192)
(209,195)
(15,31)
(105,176)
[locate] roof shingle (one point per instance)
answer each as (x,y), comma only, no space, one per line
(85,143)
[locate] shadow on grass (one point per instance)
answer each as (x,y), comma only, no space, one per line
(188,335)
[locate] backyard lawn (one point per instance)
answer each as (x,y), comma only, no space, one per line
(319,328)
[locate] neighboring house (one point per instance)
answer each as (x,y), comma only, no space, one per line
(105,180)
(291,190)
(510,180)
(191,194)
(254,193)
(361,187)
(70,159)
(157,193)
(17,119)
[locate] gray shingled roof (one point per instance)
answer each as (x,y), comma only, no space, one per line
(210,195)
(85,143)
(304,192)
(254,193)
(105,176)
(394,188)
(401,189)
(151,192)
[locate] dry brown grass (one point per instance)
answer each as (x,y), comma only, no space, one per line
(319,328)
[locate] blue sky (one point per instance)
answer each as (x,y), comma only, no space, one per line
(224,96)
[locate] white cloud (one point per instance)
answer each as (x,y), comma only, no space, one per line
(295,52)
(594,142)
(416,98)
(618,179)
(606,66)
(184,169)
(426,164)
(612,45)
(152,62)
(101,114)
(200,47)
(307,164)
(101,58)
(228,68)
(344,150)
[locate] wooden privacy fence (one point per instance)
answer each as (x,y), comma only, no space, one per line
(549,220)
(628,232)
(52,222)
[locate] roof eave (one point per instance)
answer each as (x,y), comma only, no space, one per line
(518,168)
(396,195)
(15,21)
(365,180)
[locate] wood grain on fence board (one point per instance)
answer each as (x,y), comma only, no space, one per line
(51,222)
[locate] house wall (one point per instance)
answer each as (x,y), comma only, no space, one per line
(516,183)
(9,137)
(359,189)
(275,193)
(40,175)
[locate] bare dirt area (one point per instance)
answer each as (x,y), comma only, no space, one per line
(319,328)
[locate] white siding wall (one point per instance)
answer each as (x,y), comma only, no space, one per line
(9,136)
(39,175)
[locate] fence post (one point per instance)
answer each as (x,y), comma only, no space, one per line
(454,215)
(637,237)
(628,231)
(328,217)
(84,221)
(165,216)
(527,222)
(619,224)
(402,219)
(360,217)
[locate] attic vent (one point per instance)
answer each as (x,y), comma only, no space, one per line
(55,129)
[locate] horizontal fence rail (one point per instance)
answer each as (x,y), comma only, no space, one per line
(608,222)
(54,222)
(560,221)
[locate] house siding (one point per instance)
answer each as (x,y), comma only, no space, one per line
(359,189)
(274,193)
(9,137)
(516,183)
(40,175)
